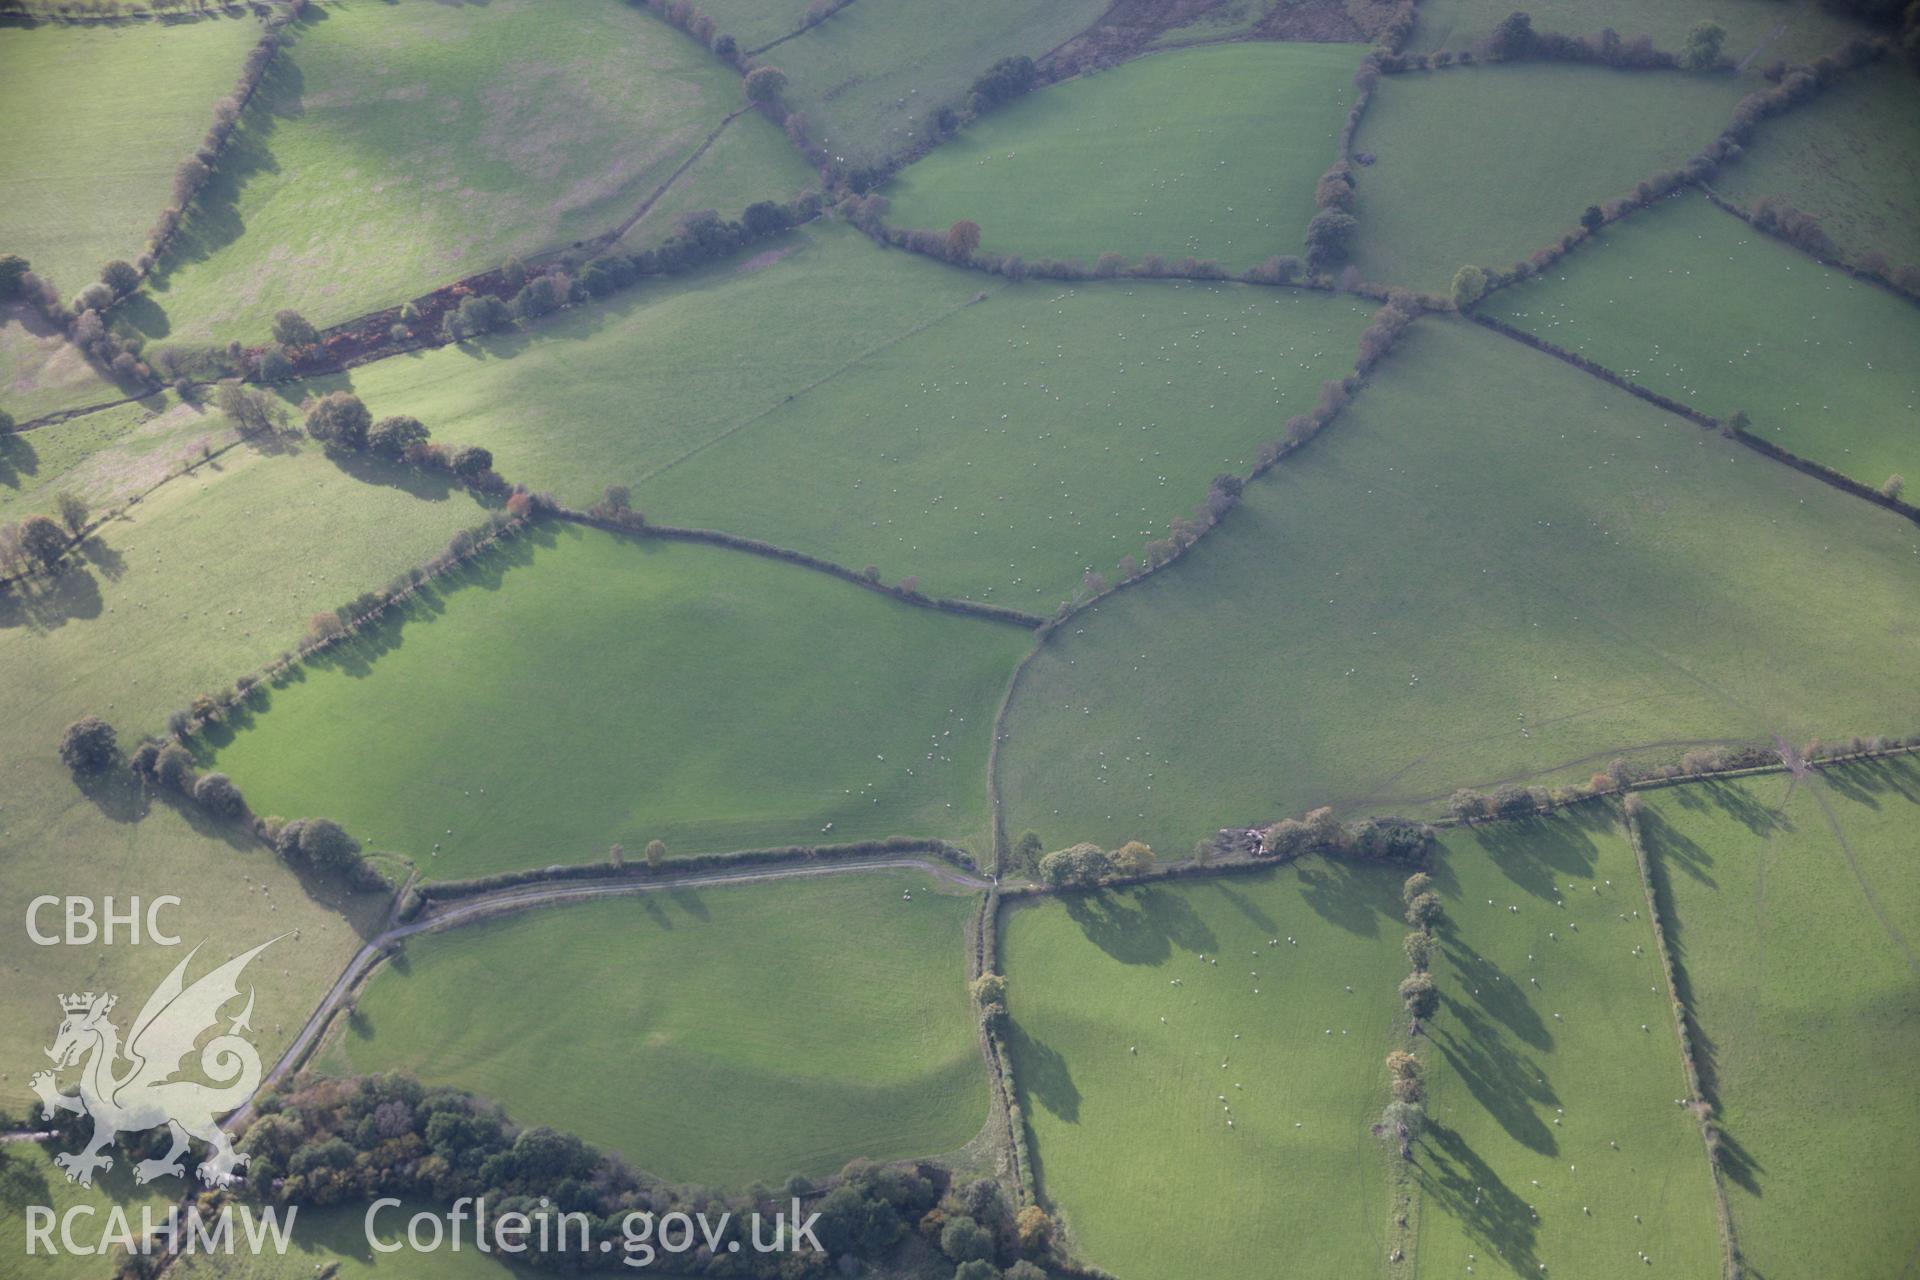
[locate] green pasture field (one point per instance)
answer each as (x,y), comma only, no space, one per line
(336,1237)
(202,581)
(98,118)
(1546,140)
(1133,1148)
(40,371)
(1491,567)
(1697,305)
(1211,152)
(1078,421)
(868,80)
(752,160)
(614,392)
(577,689)
(398,147)
(1791,906)
(1554,1042)
(1846,158)
(713,393)
(28,1177)
(721,1035)
(1758,31)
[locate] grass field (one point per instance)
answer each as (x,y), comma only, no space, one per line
(867,79)
(1843,158)
(1695,304)
(1547,140)
(613,392)
(398,147)
(28,1176)
(718,1035)
(713,393)
(83,180)
(324,1237)
(1758,32)
(1792,909)
(40,371)
(751,161)
(1079,421)
(1132,1147)
(263,543)
(709,698)
(1538,1064)
(1492,566)
(1205,152)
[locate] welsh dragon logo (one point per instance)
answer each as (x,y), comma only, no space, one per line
(144,1095)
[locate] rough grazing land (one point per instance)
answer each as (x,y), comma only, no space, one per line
(1758,31)
(1792,908)
(1211,153)
(712,699)
(1491,566)
(1699,306)
(1846,158)
(749,1044)
(40,371)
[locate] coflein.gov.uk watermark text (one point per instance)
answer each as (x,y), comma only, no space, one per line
(84,1230)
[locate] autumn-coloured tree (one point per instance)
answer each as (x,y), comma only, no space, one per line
(963,238)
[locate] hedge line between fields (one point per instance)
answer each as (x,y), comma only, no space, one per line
(754,546)
(1766,448)
(431,892)
(1697,1100)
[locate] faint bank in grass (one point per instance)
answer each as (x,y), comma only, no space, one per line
(574,689)
(722,1035)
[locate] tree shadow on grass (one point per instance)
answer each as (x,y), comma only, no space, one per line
(1041,1075)
(1533,852)
(1456,1181)
(1666,842)
(1505,1082)
(357,655)
(1498,994)
(18,459)
(1354,896)
(1139,926)
(43,603)
(214,222)
(1863,781)
(1667,847)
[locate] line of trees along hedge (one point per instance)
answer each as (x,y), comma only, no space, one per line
(349,1141)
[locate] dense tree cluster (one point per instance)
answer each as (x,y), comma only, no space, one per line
(1084,865)
(1004,81)
(351,1141)
(1368,839)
